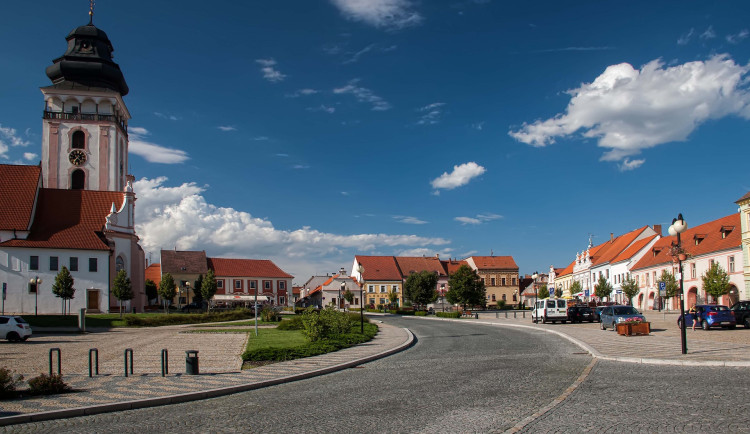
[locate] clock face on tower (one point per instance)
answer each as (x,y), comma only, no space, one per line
(77,157)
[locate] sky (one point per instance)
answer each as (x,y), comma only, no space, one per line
(309,131)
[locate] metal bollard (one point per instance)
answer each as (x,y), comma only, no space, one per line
(164,362)
(191,362)
(94,352)
(497,314)
(128,350)
(506,314)
(476,316)
(59,368)
(524,314)
(514,314)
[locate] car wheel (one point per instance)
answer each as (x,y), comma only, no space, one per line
(24,338)
(601,326)
(563,321)
(591,321)
(747,323)
(12,337)
(613,327)
(679,324)
(705,325)
(732,327)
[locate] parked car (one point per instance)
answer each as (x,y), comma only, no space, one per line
(580,314)
(194,307)
(612,315)
(710,315)
(550,310)
(741,311)
(14,328)
(597,311)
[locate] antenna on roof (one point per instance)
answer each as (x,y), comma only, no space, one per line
(591,240)
(492,252)
(92,3)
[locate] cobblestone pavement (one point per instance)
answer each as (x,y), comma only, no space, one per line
(115,387)
(456,378)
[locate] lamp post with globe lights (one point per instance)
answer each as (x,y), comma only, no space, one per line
(536,294)
(36,281)
(361,272)
(677,227)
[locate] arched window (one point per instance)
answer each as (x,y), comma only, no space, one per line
(504,297)
(78,180)
(119,264)
(78,140)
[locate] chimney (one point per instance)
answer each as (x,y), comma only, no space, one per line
(437,255)
(611,236)
(342,272)
(657,229)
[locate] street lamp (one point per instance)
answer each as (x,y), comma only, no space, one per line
(536,293)
(515,294)
(342,287)
(361,272)
(36,281)
(677,227)
(187,292)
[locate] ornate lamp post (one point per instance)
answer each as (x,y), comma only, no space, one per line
(36,281)
(679,226)
(361,272)
(187,293)
(536,293)
(342,287)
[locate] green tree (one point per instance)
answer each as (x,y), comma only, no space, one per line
(122,289)
(672,288)
(393,297)
(574,288)
(151,290)
(198,290)
(420,287)
(558,292)
(603,288)
(63,286)
(466,288)
(348,296)
(630,288)
(715,281)
(208,287)
(167,290)
(542,292)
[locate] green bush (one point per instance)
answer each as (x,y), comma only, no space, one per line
(355,316)
(47,385)
(404,312)
(269,314)
(448,314)
(325,324)
(161,320)
(420,313)
(293,323)
(9,380)
(314,348)
(501,304)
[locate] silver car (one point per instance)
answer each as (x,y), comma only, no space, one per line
(14,328)
(612,315)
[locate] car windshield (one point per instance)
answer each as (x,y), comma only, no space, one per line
(625,310)
(20,320)
(719,308)
(585,309)
(551,304)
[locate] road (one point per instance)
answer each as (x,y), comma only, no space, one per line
(461,378)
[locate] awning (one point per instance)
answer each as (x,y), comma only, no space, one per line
(232,297)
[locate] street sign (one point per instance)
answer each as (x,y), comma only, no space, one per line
(586,293)
(662,289)
(551,291)
(5,289)
(618,291)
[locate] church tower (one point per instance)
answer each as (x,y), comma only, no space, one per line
(85,131)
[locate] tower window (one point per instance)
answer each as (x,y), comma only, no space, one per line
(78,141)
(78,180)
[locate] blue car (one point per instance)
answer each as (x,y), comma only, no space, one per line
(710,315)
(611,315)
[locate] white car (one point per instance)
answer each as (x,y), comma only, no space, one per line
(14,328)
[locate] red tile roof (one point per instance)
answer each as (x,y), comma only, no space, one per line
(633,249)
(379,267)
(616,246)
(494,262)
(567,270)
(451,266)
(409,264)
(18,191)
(712,242)
(70,219)
(153,272)
(246,268)
(743,198)
(180,261)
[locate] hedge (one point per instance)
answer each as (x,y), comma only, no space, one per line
(310,349)
(161,320)
(448,314)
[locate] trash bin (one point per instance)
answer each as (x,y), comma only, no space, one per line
(191,362)
(476,316)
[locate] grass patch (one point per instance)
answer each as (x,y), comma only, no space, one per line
(218,330)
(279,345)
(110,320)
(243,323)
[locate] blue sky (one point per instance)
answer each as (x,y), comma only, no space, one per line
(309,131)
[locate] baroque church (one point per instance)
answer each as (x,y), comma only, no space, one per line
(75,209)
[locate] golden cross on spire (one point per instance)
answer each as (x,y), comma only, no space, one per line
(92,3)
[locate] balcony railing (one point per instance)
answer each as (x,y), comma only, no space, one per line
(87,117)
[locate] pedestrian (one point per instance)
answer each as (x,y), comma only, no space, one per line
(694,312)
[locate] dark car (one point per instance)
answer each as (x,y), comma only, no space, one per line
(580,314)
(710,315)
(597,311)
(194,307)
(741,311)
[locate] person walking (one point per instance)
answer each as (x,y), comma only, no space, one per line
(694,312)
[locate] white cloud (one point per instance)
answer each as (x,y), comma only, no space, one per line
(461,175)
(300,166)
(628,110)
(629,164)
(322,108)
(362,94)
(479,126)
(29,156)
(425,252)
(557,50)
(739,37)
(355,57)
(302,92)
(386,14)
(260,138)
(409,220)
(468,220)
(270,73)
(9,137)
(180,217)
(708,34)
(167,116)
(489,217)
(685,38)
(479,219)
(226,128)
(432,113)
(152,152)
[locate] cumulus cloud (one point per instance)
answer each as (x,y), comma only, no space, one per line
(409,220)
(9,137)
(270,73)
(461,175)
(152,152)
(431,113)
(629,164)
(180,217)
(363,94)
(29,156)
(627,110)
(385,14)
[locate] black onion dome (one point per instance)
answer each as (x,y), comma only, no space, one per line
(88,61)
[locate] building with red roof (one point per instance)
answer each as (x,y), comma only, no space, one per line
(500,276)
(744,204)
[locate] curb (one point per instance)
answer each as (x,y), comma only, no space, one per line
(597,355)
(194,396)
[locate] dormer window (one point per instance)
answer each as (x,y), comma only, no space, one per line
(698,238)
(656,251)
(726,230)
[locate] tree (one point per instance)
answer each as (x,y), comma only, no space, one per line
(63,286)
(348,296)
(167,290)
(151,290)
(393,297)
(558,292)
(198,290)
(630,288)
(715,281)
(672,289)
(420,287)
(575,288)
(603,288)
(208,287)
(542,291)
(466,288)
(122,289)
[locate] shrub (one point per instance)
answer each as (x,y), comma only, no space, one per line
(325,324)
(47,385)
(501,304)
(404,312)
(448,314)
(315,348)
(420,313)
(9,380)
(356,317)
(269,314)
(293,323)
(160,320)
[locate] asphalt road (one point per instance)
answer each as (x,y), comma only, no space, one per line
(460,378)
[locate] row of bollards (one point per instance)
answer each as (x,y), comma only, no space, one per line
(497,314)
(191,362)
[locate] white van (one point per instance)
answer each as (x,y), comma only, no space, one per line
(550,310)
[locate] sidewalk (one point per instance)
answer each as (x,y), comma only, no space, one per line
(114,391)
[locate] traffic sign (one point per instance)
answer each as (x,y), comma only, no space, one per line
(662,289)
(551,291)
(586,293)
